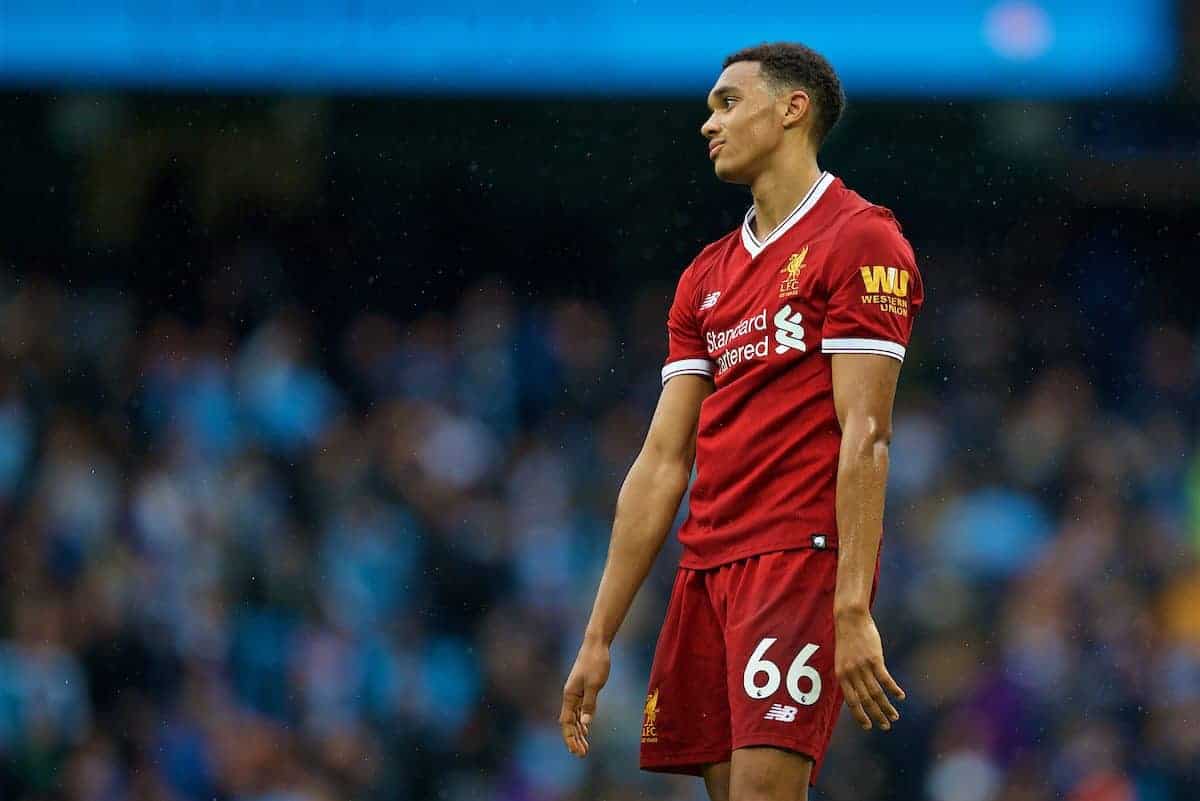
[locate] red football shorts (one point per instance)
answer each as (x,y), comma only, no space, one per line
(745,658)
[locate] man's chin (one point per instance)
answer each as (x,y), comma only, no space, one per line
(728,174)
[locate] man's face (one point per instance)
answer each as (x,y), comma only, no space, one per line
(745,126)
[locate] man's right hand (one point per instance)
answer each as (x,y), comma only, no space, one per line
(588,676)
(646,508)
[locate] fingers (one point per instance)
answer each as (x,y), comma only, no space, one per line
(874,714)
(880,708)
(573,738)
(889,684)
(572,698)
(882,683)
(575,718)
(588,709)
(866,698)
(855,705)
(573,732)
(579,740)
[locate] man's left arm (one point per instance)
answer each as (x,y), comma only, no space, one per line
(864,388)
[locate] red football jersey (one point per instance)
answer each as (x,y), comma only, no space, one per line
(762,318)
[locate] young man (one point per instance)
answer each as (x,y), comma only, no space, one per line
(785,344)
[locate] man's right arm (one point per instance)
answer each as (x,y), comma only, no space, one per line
(648,501)
(646,507)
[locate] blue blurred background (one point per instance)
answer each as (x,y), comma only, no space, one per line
(328,332)
(968,47)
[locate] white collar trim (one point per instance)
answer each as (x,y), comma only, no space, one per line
(752,243)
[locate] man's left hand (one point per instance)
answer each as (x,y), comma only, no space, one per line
(858,664)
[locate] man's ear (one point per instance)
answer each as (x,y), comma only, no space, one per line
(798,106)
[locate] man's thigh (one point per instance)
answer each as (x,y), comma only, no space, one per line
(779,643)
(716,781)
(685,725)
(760,773)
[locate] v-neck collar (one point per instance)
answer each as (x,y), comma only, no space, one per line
(754,246)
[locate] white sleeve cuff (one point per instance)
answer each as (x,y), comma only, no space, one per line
(881,347)
(687,367)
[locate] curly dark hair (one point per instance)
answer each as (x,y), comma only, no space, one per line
(792,65)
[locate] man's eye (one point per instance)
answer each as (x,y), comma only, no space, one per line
(729,100)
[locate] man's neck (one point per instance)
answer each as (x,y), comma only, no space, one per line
(778,191)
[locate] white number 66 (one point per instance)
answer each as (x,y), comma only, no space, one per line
(800,669)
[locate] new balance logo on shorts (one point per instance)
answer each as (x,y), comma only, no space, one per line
(784,714)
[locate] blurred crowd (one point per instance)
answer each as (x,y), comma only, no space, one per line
(251,562)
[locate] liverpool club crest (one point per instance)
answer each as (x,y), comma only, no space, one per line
(790,287)
(649,724)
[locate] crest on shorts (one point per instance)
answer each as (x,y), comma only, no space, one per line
(649,729)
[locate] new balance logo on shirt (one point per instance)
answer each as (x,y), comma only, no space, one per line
(780,712)
(710,300)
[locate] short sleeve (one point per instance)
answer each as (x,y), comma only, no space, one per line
(875,289)
(686,354)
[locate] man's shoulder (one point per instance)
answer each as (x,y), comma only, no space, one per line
(858,217)
(712,254)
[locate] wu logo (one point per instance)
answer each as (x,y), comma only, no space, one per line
(885,280)
(789,333)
